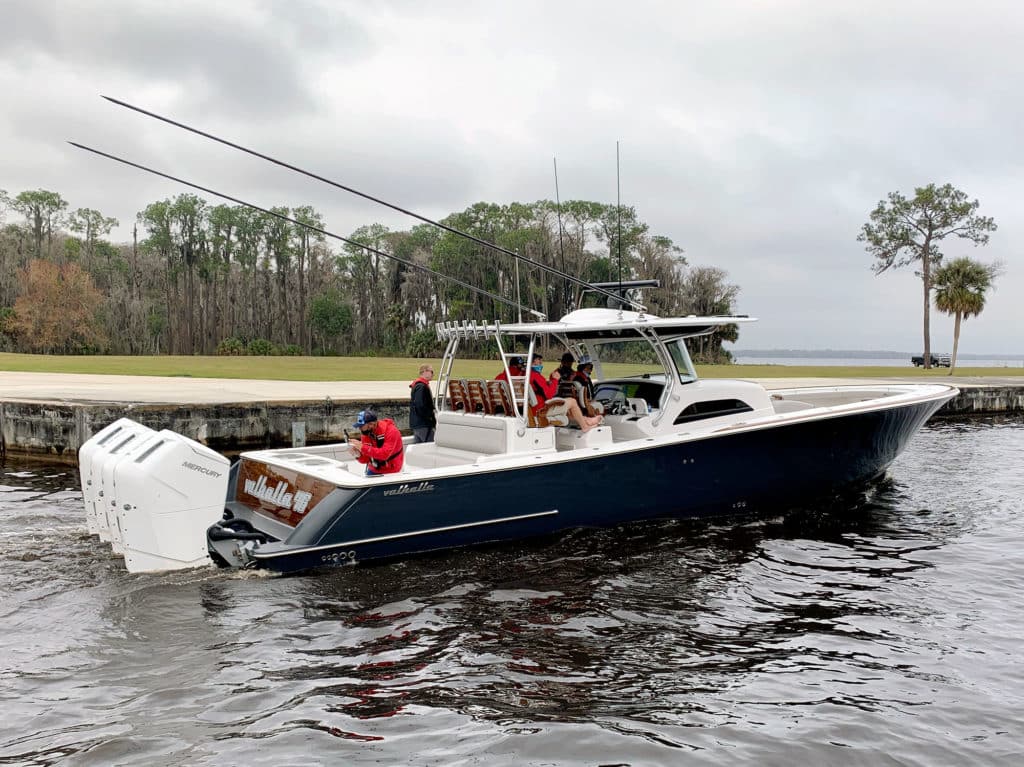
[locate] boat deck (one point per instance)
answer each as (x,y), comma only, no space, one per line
(477,439)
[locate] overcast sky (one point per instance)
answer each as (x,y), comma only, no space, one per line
(757,135)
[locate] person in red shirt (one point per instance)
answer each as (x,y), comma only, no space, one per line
(381,447)
(550,405)
(543,388)
(515,368)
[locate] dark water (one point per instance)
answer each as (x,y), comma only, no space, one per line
(885,632)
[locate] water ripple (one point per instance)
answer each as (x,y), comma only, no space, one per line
(883,629)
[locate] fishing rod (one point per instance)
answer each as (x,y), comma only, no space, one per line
(561,246)
(310,227)
(337,185)
(618,212)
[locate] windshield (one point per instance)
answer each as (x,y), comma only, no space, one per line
(681,359)
(622,359)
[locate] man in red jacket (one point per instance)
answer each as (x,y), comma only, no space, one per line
(549,405)
(515,368)
(381,446)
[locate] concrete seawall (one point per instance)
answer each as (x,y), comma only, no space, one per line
(978,399)
(52,415)
(58,429)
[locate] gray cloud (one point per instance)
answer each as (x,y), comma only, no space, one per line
(757,136)
(218,57)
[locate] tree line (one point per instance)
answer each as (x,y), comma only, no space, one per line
(198,278)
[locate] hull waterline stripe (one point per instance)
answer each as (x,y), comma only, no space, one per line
(412,534)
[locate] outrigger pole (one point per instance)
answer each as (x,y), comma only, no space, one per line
(310,227)
(564,275)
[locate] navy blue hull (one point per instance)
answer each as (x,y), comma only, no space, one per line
(734,472)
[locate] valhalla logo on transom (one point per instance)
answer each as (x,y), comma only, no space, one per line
(278,495)
(422,487)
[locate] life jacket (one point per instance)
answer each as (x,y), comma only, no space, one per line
(588,383)
(390,440)
(566,389)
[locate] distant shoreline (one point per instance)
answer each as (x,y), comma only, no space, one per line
(859,354)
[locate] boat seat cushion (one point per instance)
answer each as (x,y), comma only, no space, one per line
(637,406)
(473,432)
(438,457)
(554,413)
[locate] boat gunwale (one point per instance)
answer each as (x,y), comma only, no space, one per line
(906,395)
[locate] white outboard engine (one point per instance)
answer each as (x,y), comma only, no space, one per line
(110,443)
(160,496)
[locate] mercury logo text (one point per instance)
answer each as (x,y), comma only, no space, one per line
(201,469)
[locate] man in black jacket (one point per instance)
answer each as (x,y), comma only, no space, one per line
(565,370)
(421,406)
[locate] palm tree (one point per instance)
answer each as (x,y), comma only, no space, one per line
(960,289)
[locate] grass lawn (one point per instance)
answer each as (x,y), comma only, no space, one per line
(400,369)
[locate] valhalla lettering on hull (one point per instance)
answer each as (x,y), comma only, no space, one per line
(278,495)
(422,487)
